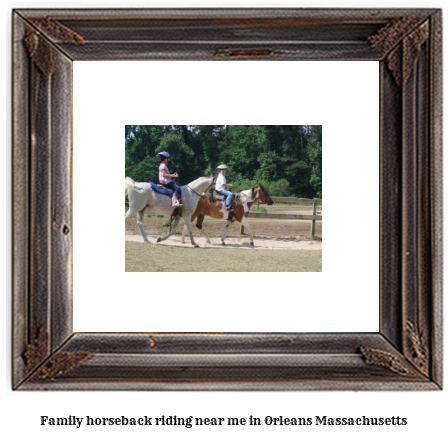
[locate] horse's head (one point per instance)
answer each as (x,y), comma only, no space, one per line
(263,195)
(211,187)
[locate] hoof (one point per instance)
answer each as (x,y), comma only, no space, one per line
(223,243)
(252,243)
(159,239)
(196,246)
(209,242)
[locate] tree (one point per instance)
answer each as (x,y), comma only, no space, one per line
(208,142)
(244,144)
(268,166)
(181,155)
(279,188)
(288,158)
(315,156)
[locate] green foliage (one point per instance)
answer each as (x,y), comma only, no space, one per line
(268,162)
(287,159)
(315,158)
(145,170)
(242,184)
(181,155)
(279,188)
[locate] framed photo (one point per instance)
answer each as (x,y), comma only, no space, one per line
(406,352)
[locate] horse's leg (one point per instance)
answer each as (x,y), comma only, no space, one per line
(187,220)
(132,210)
(246,225)
(183,233)
(140,224)
(199,223)
(173,230)
(225,232)
(176,223)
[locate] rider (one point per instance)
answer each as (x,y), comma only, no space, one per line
(221,183)
(165,178)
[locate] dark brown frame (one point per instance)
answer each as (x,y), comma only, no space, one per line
(406,354)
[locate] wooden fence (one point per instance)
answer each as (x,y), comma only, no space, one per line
(316,202)
(295,201)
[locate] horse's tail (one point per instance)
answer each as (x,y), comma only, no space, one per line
(128,185)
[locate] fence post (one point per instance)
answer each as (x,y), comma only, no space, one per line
(313,222)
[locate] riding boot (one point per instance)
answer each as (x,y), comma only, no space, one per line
(176,202)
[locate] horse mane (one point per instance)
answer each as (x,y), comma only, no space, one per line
(247,194)
(197,181)
(200,179)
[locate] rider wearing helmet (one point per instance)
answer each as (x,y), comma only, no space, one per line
(165,178)
(221,184)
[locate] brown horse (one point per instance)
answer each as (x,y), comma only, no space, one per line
(217,210)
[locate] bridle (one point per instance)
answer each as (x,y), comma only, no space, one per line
(258,196)
(268,198)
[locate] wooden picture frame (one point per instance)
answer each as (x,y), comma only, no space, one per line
(406,353)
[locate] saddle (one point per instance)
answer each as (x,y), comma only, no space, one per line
(163,190)
(160,189)
(217,197)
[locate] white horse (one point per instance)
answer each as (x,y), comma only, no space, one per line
(141,196)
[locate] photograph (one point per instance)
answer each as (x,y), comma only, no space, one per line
(224,315)
(78,256)
(267,179)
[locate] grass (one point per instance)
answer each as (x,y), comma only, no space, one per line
(159,258)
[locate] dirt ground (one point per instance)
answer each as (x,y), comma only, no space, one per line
(275,234)
(235,242)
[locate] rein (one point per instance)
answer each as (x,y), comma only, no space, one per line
(269,197)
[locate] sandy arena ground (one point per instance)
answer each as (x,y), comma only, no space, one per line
(236,242)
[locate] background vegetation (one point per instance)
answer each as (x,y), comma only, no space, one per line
(286,159)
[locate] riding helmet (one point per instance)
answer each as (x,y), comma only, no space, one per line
(222,167)
(164,154)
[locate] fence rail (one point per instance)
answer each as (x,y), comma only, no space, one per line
(290,200)
(282,216)
(300,217)
(315,202)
